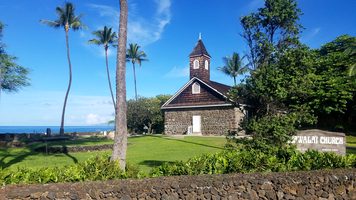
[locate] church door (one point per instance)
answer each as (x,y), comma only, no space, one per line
(196,124)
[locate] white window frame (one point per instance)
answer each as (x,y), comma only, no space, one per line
(196,88)
(206,64)
(196,64)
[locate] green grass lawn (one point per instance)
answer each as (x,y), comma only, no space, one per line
(145,151)
(351,144)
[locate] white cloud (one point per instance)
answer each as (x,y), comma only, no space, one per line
(94,119)
(311,34)
(177,72)
(45,108)
(314,32)
(141,30)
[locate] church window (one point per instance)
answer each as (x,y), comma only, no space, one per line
(206,64)
(196,88)
(196,64)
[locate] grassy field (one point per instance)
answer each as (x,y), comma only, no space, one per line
(351,144)
(145,151)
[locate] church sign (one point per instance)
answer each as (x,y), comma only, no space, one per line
(319,140)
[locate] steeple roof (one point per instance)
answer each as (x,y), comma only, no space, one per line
(199,49)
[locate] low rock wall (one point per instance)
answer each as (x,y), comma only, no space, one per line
(68,149)
(323,185)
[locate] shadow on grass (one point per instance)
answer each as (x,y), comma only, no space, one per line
(15,157)
(184,141)
(65,151)
(154,163)
(80,141)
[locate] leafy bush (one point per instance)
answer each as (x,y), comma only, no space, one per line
(276,129)
(255,160)
(93,169)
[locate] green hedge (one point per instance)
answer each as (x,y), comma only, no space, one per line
(97,168)
(245,161)
(232,160)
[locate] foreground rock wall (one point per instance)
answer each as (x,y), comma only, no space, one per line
(334,184)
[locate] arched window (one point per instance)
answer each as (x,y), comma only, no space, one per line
(206,64)
(196,64)
(195,88)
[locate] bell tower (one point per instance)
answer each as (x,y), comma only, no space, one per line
(199,62)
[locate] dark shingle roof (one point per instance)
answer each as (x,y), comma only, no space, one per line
(199,50)
(219,87)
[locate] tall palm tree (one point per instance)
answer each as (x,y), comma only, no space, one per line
(233,66)
(106,38)
(120,138)
(351,51)
(135,55)
(68,20)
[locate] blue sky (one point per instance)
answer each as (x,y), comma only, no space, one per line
(167,30)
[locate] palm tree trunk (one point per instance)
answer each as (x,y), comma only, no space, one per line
(120,138)
(134,71)
(61,130)
(108,73)
(234,81)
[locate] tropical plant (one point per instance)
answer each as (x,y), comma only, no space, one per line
(271,30)
(67,20)
(106,38)
(12,76)
(135,55)
(145,114)
(233,66)
(120,138)
(351,51)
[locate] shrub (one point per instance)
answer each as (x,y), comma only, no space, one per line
(276,159)
(93,169)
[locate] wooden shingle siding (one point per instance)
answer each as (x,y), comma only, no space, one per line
(205,97)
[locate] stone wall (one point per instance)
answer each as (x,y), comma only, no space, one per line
(214,121)
(322,185)
(68,149)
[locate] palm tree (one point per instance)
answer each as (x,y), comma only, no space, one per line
(233,66)
(106,38)
(120,138)
(135,56)
(351,51)
(68,20)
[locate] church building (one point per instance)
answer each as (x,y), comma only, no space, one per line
(201,106)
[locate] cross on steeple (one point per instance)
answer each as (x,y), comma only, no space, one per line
(199,61)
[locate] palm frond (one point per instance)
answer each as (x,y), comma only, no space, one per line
(50,23)
(233,66)
(352,70)
(66,15)
(95,41)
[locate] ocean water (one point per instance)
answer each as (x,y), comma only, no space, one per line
(55,129)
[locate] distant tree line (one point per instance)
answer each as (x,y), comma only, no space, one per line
(144,115)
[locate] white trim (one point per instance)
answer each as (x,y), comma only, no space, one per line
(206,64)
(186,85)
(196,64)
(196,88)
(198,106)
(196,122)
(179,91)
